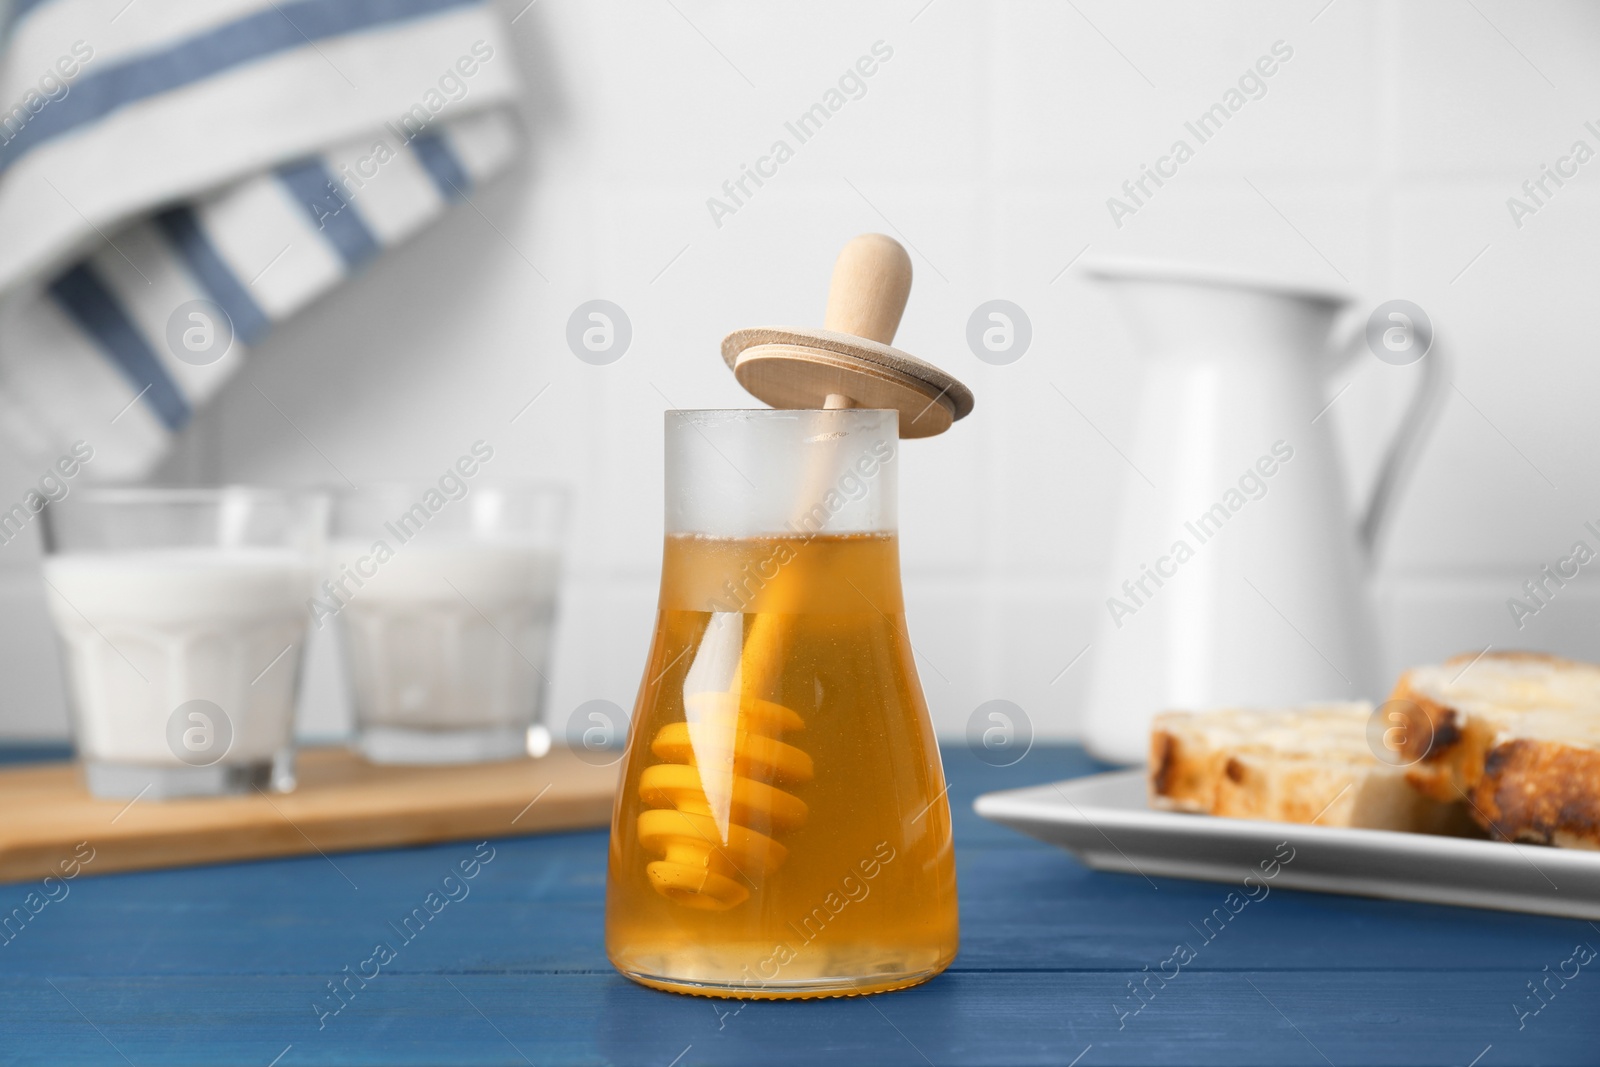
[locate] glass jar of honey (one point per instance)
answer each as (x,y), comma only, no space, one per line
(781,828)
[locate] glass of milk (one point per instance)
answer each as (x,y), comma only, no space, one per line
(182,614)
(444,597)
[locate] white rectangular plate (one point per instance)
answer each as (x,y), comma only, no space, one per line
(1104,819)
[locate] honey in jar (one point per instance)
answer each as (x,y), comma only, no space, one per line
(781,828)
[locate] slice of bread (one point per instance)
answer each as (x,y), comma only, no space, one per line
(1516,734)
(1309,764)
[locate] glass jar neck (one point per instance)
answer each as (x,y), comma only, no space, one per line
(759,473)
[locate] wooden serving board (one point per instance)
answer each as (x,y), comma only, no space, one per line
(342,803)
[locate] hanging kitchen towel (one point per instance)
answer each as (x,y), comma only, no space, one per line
(178,176)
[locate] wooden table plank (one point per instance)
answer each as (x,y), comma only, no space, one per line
(222,964)
(1239,1018)
(538,907)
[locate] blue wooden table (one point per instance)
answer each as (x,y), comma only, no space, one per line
(232,965)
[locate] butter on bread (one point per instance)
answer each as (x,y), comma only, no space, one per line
(1516,734)
(1308,764)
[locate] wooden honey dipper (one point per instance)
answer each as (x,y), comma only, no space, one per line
(849,362)
(721,788)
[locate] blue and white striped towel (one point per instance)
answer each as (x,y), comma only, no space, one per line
(248,154)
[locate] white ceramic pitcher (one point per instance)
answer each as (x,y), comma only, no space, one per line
(1238,574)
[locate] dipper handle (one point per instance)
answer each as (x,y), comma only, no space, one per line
(871,281)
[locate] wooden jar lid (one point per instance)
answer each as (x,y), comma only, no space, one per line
(850,362)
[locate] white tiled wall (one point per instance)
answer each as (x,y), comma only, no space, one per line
(989,143)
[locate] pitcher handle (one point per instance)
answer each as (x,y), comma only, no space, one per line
(1405,448)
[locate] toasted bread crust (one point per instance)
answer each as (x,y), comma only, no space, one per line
(1435,731)
(1520,788)
(1432,743)
(1163,763)
(1180,775)
(1541,791)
